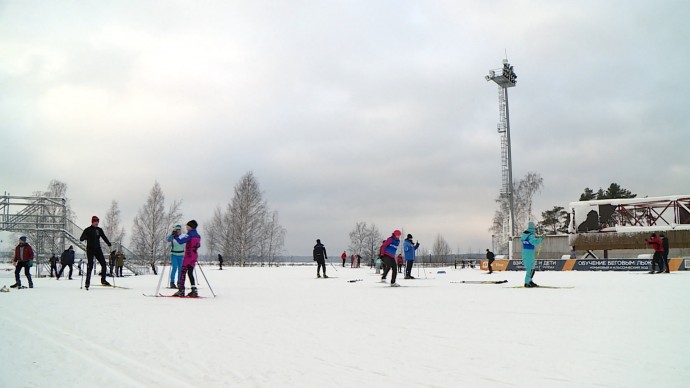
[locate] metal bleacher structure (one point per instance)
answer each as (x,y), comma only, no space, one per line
(45,221)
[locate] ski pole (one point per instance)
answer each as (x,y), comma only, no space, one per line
(160,279)
(111,272)
(207,283)
(331,263)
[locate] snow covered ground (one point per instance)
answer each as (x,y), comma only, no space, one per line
(281,327)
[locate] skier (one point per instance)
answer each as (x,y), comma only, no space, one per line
(400,263)
(92,235)
(529,241)
(664,244)
(409,249)
(176,255)
(388,251)
(119,263)
(220,262)
(23,258)
(66,260)
(320,257)
(192,242)
(490,258)
(53,265)
(658,258)
(343,257)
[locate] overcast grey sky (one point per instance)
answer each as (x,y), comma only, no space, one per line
(345,111)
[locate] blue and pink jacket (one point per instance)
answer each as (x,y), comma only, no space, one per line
(192,242)
(390,247)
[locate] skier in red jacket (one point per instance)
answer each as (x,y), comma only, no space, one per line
(658,257)
(23,257)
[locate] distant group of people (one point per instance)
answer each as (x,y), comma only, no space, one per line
(386,259)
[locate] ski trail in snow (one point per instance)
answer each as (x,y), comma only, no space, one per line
(113,366)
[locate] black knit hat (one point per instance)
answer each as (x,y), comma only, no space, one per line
(193,224)
(409,236)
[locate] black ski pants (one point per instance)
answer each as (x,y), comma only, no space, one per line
(98,255)
(27,272)
(62,268)
(408,267)
(320,263)
(392,266)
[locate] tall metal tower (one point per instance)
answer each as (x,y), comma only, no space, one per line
(505,78)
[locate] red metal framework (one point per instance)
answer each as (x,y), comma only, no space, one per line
(653,213)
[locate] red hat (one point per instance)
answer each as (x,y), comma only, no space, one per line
(94,219)
(396,233)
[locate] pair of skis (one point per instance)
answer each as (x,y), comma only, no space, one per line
(505,281)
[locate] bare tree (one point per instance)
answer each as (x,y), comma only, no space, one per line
(246,230)
(365,240)
(151,224)
(112,228)
(373,242)
(441,249)
(47,236)
(216,233)
(273,239)
(358,238)
(526,189)
(524,192)
(247,217)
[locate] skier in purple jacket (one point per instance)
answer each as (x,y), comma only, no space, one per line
(192,242)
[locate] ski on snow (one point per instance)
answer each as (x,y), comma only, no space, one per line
(173,296)
(552,287)
(110,286)
(481,281)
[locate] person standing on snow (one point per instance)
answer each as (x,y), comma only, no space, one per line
(192,242)
(664,244)
(529,241)
(320,257)
(66,260)
(658,257)
(53,265)
(490,258)
(388,251)
(220,262)
(409,249)
(119,263)
(92,235)
(23,258)
(343,257)
(176,255)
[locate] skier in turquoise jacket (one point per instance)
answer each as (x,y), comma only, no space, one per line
(176,255)
(529,241)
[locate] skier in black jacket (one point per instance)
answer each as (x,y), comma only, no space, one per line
(66,260)
(320,257)
(92,234)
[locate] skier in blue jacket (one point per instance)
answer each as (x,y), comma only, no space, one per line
(529,241)
(409,249)
(176,255)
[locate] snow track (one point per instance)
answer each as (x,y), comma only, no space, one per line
(99,364)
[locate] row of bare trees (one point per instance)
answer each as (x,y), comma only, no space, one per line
(247,230)
(366,240)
